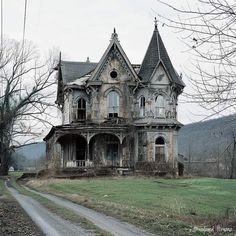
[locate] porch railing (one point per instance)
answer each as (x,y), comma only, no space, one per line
(79,163)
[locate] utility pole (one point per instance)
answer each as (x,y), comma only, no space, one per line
(1,24)
(1,51)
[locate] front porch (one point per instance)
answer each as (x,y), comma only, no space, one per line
(94,146)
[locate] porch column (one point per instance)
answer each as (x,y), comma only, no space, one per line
(88,154)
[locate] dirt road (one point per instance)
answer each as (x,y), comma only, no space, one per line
(49,223)
(107,223)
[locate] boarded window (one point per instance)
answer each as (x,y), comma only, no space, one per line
(113,104)
(81,109)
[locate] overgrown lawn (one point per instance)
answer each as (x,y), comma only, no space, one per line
(166,205)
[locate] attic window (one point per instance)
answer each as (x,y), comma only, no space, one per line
(113,74)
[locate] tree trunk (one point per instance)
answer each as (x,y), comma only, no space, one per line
(4,156)
(232,175)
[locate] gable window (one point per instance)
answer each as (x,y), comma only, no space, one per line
(113,104)
(160,150)
(113,74)
(142,106)
(160,106)
(81,109)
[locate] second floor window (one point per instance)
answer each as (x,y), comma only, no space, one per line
(113,104)
(142,106)
(160,106)
(81,110)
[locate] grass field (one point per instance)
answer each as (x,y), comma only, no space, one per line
(3,192)
(159,205)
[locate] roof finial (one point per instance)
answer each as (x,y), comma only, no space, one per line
(114,35)
(59,59)
(155,21)
(87,60)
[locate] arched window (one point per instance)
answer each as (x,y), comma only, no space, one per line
(160,150)
(113,104)
(160,106)
(81,109)
(142,106)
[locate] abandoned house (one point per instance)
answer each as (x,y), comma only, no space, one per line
(115,113)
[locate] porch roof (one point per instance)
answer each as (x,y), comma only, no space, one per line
(76,128)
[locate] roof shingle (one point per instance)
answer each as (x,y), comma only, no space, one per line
(155,54)
(74,70)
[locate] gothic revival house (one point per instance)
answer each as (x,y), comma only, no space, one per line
(115,113)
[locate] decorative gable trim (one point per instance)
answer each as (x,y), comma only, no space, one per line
(114,47)
(156,68)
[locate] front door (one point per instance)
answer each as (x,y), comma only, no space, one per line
(80,151)
(112,153)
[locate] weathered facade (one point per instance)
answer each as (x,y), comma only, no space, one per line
(115,113)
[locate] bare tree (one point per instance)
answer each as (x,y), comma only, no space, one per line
(232,163)
(25,82)
(208,27)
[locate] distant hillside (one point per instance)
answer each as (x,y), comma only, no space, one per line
(207,141)
(32,151)
(28,156)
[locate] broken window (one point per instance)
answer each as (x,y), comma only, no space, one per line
(142,106)
(160,106)
(81,110)
(160,150)
(113,104)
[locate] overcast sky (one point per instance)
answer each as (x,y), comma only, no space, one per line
(80,28)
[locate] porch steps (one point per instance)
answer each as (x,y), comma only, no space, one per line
(104,171)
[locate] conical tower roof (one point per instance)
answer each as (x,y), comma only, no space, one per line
(156,53)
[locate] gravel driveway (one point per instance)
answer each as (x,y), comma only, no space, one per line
(104,222)
(49,223)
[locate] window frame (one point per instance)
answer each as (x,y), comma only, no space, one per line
(113,105)
(160,150)
(160,106)
(142,106)
(81,109)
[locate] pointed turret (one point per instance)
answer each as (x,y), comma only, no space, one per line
(156,54)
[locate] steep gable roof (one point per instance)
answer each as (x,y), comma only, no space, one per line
(156,54)
(114,43)
(71,70)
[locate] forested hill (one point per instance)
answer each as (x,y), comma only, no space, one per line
(28,156)
(33,151)
(206,140)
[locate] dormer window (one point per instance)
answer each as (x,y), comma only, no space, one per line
(81,109)
(142,106)
(160,106)
(113,104)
